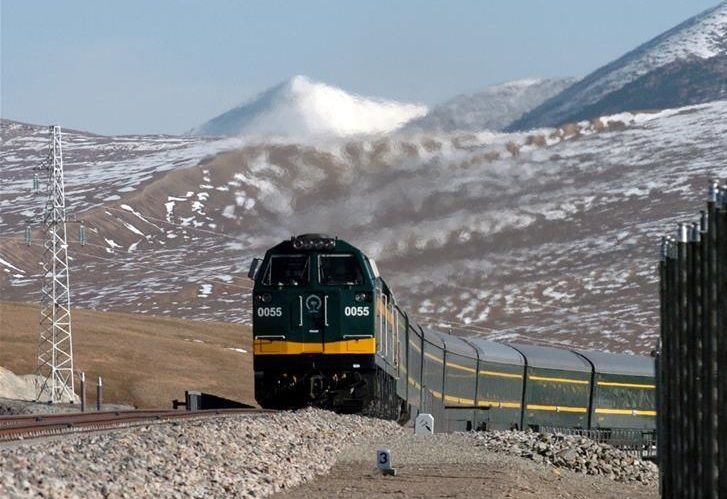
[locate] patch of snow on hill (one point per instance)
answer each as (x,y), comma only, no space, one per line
(303,108)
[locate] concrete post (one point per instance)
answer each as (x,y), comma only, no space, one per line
(99,393)
(83,392)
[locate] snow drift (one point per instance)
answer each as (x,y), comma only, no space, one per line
(301,108)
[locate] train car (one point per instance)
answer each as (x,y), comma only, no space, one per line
(557,388)
(624,391)
(329,332)
(415,338)
(500,376)
(460,383)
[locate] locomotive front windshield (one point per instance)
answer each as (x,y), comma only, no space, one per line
(288,270)
(339,270)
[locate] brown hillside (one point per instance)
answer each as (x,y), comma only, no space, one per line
(145,360)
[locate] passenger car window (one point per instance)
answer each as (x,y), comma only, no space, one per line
(287,270)
(339,270)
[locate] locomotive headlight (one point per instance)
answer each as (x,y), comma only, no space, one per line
(265,298)
(313,241)
(360,297)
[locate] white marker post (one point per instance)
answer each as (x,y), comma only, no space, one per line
(424,424)
(383,462)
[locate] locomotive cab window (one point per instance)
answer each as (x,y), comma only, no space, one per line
(339,270)
(287,270)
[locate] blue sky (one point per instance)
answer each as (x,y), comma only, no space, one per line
(166,66)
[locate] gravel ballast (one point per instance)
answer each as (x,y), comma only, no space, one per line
(258,455)
(575,453)
(240,456)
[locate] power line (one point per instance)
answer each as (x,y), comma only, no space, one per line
(565,309)
(494,337)
(474,327)
(140,264)
(479,330)
(198,229)
(157,269)
(556,307)
(177,274)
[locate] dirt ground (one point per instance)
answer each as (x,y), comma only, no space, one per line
(145,361)
(449,466)
(491,479)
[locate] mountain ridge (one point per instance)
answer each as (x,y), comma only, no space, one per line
(492,108)
(702,36)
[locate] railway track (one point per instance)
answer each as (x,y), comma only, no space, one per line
(44,425)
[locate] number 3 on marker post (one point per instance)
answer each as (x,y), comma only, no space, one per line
(383,459)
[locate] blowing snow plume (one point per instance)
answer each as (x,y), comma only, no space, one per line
(301,108)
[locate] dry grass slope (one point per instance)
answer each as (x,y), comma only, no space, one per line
(145,360)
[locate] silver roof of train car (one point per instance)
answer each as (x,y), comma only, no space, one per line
(458,346)
(618,363)
(553,358)
(434,337)
(491,351)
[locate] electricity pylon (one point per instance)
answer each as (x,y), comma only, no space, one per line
(55,347)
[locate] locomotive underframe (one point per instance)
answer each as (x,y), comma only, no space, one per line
(342,383)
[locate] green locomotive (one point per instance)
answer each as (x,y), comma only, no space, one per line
(328,332)
(317,307)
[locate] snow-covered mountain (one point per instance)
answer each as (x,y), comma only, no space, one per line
(493,108)
(301,108)
(680,83)
(545,237)
(697,39)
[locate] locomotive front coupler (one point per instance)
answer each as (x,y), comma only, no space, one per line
(317,386)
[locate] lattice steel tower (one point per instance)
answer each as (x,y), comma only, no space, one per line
(55,348)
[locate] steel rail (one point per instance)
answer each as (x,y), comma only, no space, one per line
(42,425)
